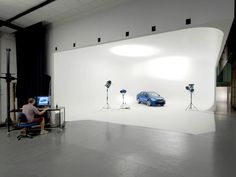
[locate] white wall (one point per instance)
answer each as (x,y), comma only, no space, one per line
(6,41)
(137,17)
(178,58)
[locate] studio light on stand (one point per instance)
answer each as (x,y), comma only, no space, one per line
(190,88)
(107,85)
(123,105)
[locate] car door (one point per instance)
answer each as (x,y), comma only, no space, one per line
(143,97)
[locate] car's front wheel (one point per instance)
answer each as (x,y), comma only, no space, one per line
(149,103)
(138,101)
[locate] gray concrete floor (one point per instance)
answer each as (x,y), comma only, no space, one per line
(99,149)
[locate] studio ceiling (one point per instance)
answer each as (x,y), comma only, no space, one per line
(16,13)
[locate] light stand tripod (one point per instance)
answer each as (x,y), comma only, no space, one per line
(107,106)
(123,105)
(191,105)
(8,77)
(123,101)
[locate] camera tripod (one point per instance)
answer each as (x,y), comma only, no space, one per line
(191,106)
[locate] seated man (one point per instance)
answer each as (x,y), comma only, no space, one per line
(30,111)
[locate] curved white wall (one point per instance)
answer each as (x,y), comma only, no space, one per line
(175,60)
(137,17)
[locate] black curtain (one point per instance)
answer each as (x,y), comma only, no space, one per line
(31,63)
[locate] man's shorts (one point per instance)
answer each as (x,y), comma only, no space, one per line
(38,120)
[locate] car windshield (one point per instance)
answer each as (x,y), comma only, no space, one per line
(153,94)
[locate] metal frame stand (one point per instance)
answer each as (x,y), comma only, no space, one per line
(8,77)
(123,105)
(191,106)
(107,106)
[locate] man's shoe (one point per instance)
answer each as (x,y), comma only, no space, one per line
(42,132)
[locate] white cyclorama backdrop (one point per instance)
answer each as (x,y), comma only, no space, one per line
(164,63)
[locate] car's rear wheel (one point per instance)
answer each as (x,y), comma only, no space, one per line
(149,103)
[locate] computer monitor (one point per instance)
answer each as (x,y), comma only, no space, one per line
(43,101)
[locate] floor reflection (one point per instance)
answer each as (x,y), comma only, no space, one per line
(191,122)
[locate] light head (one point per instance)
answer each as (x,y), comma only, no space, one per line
(108,84)
(190,88)
(123,91)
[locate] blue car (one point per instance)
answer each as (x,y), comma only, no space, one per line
(150,98)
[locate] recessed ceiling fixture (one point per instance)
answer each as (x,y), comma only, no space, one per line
(134,50)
